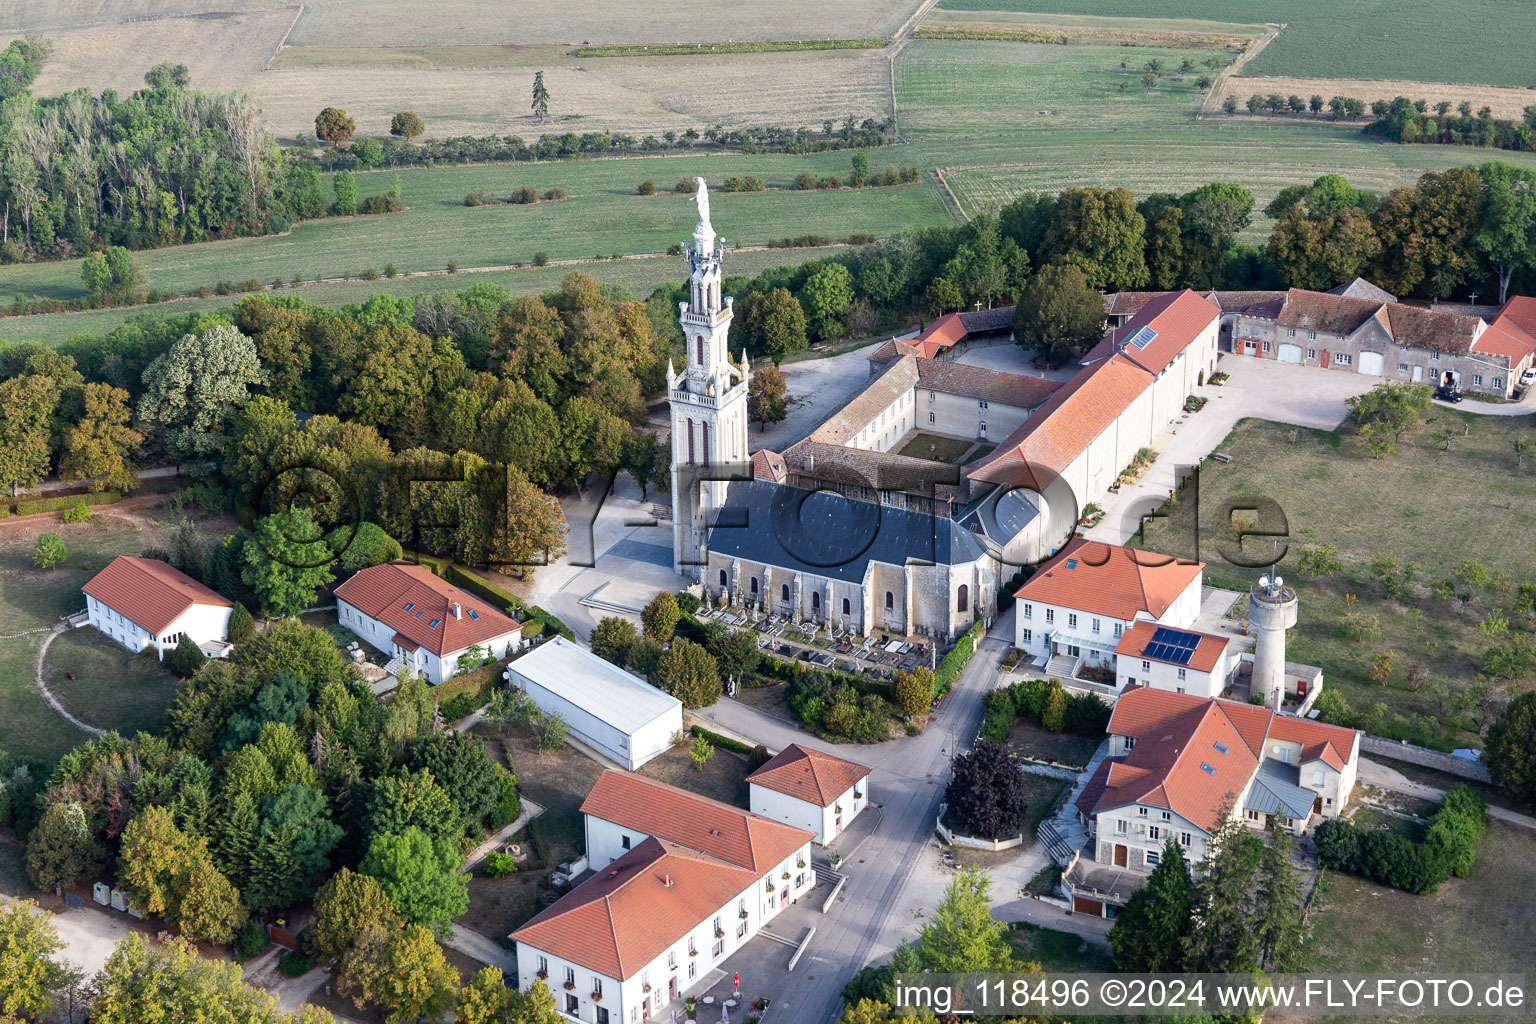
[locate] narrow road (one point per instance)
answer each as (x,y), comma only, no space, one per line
(907,782)
(1380,776)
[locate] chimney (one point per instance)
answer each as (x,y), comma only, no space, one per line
(458,610)
(666,879)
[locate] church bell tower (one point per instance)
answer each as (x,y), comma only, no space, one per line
(708,401)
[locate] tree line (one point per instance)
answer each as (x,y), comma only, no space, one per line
(1405,120)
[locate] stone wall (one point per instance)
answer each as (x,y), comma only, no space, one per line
(1424,757)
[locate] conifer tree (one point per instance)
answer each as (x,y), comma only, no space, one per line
(1221,941)
(1277,912)
(1150,933)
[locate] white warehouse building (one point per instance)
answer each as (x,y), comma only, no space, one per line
(617,714)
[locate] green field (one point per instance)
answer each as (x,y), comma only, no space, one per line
(1349,38)
(1421,505)
(638,276)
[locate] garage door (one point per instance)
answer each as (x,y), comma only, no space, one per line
(1370,363)
(1083,906)
(1290,353)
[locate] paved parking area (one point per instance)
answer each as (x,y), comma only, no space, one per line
(1256,388)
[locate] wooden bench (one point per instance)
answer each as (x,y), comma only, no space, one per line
(1222,457)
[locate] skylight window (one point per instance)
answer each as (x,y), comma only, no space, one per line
(1071,563)
(410,605)
(1207,768)
(436,623)
(474,614)
(1221,747)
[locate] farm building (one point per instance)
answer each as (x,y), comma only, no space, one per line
(810,789)
(425,624)
(143,602)
(619,715)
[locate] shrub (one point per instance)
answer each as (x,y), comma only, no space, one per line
(370,274)
(251,941)
(541,259)
(241,624)
(956,660)
(187,659)
(524,194)
(554,195)
(805,181)
(27,508)
(685,186)
(757,757)
(49,551)
(453,266)
(80,513)
(293,964)
(725,742)
(498,864)
(389,270)
(646,188)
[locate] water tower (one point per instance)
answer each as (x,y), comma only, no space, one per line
(1271,611)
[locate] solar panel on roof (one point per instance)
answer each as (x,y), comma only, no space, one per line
(1175,637)
(1143,337)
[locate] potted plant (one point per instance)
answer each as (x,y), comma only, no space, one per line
(543,975)
(786,876)
(837,809)
(858,794)
(689,1004)
(719,933)
(743,915)
(646,987)
(570,986)
(799,862)
(768,885)
(597,997)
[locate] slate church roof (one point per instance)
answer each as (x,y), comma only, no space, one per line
(825,534)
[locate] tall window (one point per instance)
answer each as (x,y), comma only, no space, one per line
(698,346)
(784,592)
(722,577)
(890,601)
(754,586)
(815,601)
(706,442)
(846,606)
(690,439)
(963,602)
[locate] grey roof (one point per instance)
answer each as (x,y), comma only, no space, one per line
(980,321)
(1277,785)
(600,688)
(1360,288)
(825,534)
(999,515)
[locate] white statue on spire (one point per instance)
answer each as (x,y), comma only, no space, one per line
(702,198)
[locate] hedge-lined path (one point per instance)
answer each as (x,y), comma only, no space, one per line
(1373,773)
(39,671)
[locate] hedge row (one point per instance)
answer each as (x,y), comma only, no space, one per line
(722,741)
(27,508)
(1048,705)
(952,663)
(1449,846)
(690,49)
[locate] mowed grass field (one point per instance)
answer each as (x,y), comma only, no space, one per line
(638,276)
(1421,504)
(1478,924)
(601,216)
(1480,41)
(114,689)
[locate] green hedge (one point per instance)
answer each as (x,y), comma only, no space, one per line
(721,741)
(1449,846)
(439,566)
(503,601)
(958,657)
(1047,704)
(691,49)
(551,623)
(27,508)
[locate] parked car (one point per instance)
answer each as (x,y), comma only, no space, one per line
(1528,376)
(1467,754)
(1448,395)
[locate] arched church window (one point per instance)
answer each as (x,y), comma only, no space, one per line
(784,592)
(962,603)
(815,602)
(706,442)
(754,586)
(847,608)
(698,346)
(690,439)
(723,581)
(890,600)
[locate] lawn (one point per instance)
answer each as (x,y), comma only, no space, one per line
(934,446)
(1479,924)
(1422,505)
(1057,952)
(111,688)
(637,276)
(724,777)
(1347,38)
(601,216)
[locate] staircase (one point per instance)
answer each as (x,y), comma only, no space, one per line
(1062,666)
(1054,842)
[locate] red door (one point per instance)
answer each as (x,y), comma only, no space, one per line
(1324,359)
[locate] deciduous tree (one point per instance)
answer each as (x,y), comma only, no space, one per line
(334,125)
(660,616)
(1059,314)
(194,389)
(49,551)
(406,125)
(688,672)
(768,396)
(29,974)
(100,445)
(826,296)
(986,792)
(613,637)
(912,691)
(345,906)
(288,562)
(421,875)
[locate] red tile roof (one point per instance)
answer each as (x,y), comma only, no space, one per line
(1513,332)
(1207,653)
(1057,433)
(811,775)
(383,591)
(967,381)
(1177,317)
(717,829)
(625,916)
(1091,576)
(148,592)
(1176,740)
(945,332)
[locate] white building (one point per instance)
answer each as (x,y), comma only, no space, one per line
(810,789)
(617,714)
(1175,760)
(680,883)
(143,602)
(424,623)
(1080,605)
(1180,660)
(708,401)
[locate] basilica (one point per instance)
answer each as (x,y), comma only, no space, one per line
(844,530)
